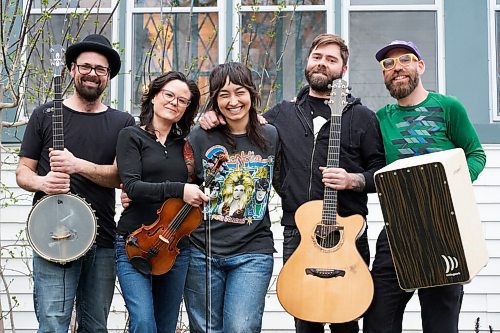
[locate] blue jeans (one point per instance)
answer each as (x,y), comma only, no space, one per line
(440,306)
(90,280)
(238,289)
(291,240)
(152,301)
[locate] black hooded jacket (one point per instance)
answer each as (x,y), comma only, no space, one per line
(299,178)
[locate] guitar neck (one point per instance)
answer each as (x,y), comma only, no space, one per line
(336,103)
(57,116)
(330,195)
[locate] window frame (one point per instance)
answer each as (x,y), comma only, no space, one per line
(328,8)
(494,52)
(437,7)
(114,33)
(237,11)
(131,10)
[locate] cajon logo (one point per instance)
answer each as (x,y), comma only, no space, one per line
(451,264)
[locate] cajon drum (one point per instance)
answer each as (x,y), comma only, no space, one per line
(431,219)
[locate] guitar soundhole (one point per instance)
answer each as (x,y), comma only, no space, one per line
(328,236)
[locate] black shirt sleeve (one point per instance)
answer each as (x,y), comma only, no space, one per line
(372,149)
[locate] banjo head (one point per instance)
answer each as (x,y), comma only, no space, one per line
(61,228)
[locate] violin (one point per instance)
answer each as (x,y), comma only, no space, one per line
(153,249)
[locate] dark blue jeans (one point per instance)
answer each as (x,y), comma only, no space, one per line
(440,306)
(152,301)
(89,280)
(291,240)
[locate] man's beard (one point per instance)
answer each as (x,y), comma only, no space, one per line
(320,83)
(400,91)
(89,94)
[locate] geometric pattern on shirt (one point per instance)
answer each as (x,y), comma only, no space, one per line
(418,132)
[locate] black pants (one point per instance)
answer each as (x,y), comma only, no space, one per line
(440,306)
(291,241)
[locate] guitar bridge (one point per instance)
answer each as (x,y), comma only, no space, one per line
(325,273)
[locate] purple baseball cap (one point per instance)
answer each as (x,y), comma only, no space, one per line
(395,44)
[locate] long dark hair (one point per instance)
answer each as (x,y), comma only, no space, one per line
(238,74)
(182,127)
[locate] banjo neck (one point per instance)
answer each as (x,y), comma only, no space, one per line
(61,227)
(57,116)
(57,63)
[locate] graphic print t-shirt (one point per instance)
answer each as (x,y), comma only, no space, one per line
(237,212)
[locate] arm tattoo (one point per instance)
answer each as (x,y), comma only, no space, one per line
(359,182)
(189,159)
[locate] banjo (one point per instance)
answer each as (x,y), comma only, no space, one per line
(61,227)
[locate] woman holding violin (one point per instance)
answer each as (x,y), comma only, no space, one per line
(152,170)
(239,245)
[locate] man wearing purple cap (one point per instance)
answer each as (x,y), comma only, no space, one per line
(420,122)
(85,167)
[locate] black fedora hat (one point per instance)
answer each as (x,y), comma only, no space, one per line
(95,43)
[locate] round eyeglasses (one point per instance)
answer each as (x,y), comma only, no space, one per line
(170,96)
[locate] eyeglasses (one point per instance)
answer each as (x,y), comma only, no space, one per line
(170,96)
(405,60)
(86,69)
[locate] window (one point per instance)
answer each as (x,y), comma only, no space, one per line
(175,35)
(286,2)
(495,61)
(392,2)
(70,21)
(268,54)
(274,42)
(172,36)
(369,30)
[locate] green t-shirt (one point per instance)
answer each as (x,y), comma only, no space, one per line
(438,123)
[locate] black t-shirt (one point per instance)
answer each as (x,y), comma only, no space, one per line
(317,107)
(237,211)
(89,136)
(151,172)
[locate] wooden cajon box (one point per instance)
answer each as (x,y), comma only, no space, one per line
(432,221)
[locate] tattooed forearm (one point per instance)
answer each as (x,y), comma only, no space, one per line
(358,182)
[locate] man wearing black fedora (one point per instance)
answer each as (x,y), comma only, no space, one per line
(86,168)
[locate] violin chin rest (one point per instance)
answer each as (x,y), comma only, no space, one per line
(142,264)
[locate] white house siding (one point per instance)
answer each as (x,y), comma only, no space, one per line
(482,296)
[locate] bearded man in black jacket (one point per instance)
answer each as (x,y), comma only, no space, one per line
(304,127)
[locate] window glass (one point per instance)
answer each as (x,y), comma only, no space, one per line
(277,74)
(393,2)
(498,60)
(72,3)
(281,2)
(59,30)
(38,79)
(182,42)
(174,3)
(369,32)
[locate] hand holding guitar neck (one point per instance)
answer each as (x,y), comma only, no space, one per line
(325,280)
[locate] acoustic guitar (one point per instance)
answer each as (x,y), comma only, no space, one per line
(325,280)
